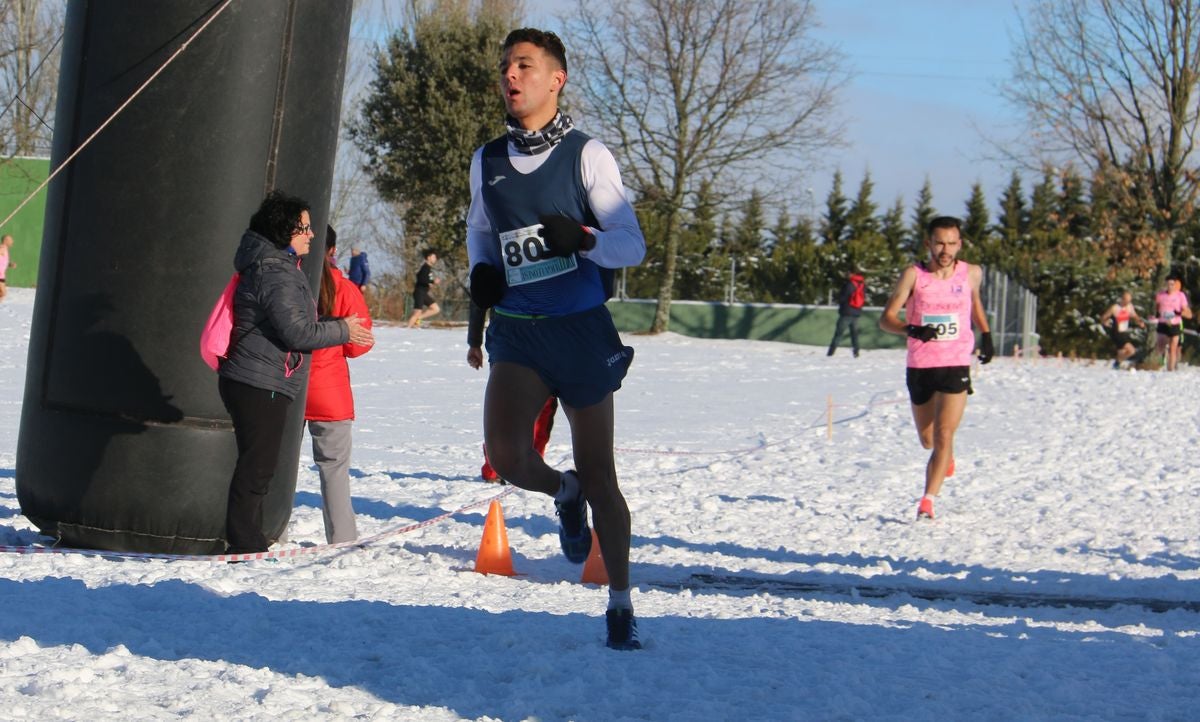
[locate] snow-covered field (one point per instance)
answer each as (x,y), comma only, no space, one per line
(779,573)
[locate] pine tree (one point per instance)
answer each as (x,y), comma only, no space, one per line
(975,223)
(1043,204)
(861,220)
(780,232)
(1013,221)
(1073,211)
(891,226)
(696,242)
(747,241)
(833,223)
(922,214)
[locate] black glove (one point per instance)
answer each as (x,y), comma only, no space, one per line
(921,333)
(564,236)
(988,350)
(487,285)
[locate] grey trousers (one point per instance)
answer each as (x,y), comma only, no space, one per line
(331,443)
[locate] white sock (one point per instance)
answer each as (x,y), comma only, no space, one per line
(619,600)
(568,488)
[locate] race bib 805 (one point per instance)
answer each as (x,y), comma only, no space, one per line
(525,259)
(947,325)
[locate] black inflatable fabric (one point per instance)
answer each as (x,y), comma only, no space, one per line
(124,443)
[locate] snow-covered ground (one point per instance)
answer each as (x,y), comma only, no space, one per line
(780,574)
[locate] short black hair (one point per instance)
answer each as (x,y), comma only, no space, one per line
(330,237)
(425,252)
(544,39)
(278,217)
(943,222)
(1175,276)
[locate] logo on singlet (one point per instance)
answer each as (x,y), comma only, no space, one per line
(496,180)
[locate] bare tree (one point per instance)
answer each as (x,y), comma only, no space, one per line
(362,218)
(30,31)
(697,91)
(1112,84)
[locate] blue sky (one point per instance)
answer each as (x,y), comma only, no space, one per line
(923,98)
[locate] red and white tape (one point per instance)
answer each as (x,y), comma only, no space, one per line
(277,554)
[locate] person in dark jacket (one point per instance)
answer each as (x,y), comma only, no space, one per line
(360,269)
(275,325)
(850,303)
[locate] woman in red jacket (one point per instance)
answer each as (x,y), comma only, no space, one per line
(329,410)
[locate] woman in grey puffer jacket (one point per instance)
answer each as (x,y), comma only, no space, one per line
(275,325)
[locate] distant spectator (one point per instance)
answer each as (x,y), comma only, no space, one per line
(360,269)
(5,264)
(850,305)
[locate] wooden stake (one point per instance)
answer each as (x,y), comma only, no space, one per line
(829,416)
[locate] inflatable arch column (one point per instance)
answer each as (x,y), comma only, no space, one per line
(124,443)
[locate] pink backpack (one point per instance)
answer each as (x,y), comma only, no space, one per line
(214,339)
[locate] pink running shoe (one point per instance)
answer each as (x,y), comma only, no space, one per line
(950,469)
(925,508)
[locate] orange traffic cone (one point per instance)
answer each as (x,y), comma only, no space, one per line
(494,556)
(593,569)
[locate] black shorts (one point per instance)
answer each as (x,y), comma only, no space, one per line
(421,298)
(1169,331)
(922,383)
(1119,340)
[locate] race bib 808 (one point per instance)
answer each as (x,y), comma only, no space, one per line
(525,259)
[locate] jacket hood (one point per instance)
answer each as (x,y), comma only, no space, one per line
(254,248)
(856,277)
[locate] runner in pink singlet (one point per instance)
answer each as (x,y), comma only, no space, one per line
(941,304)
(1172,307)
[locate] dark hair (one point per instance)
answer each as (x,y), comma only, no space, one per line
(277,217)
(328,291)
(425,252)
(943,222)
(544,39)
(1175,276)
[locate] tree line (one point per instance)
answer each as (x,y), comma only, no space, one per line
(1108,87)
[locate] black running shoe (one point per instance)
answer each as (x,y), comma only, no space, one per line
(622,630)
(574,535)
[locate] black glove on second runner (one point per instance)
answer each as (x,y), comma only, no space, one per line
(987,350)
(564,236)
(921,333)
(487,285)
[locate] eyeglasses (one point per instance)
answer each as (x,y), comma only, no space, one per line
(306,228)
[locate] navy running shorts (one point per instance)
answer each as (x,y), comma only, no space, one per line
(1168,330)
(1119,340)
(922,383)
(579,356)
